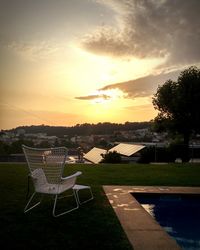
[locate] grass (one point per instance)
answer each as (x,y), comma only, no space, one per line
(94,225)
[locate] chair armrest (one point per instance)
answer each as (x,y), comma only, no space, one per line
(71,176)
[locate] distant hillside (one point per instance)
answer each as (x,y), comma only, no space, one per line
(84,129)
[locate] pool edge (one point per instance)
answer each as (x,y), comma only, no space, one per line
(141,229)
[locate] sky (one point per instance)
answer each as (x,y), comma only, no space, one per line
(68,62)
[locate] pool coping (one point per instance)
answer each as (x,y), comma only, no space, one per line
(141,229)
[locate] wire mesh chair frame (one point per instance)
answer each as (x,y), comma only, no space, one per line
(46,166)
(78,188)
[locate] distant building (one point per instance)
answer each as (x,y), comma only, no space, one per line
(21,131)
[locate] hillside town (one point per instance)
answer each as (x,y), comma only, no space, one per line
(11,142)
(86,141)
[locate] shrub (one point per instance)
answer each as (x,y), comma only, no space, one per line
(111,157)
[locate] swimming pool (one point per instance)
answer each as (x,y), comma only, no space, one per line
(178,214)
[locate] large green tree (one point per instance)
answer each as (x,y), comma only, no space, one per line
(178,103)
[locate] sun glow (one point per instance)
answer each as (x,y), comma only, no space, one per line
(94,73)
(106,96)
(95,70)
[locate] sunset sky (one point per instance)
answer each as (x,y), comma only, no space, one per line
(64,62)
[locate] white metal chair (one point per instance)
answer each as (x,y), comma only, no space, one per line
(45,169)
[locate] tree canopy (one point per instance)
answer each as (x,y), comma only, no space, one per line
(84,129)
(178,103)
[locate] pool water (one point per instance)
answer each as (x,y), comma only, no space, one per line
(179,215)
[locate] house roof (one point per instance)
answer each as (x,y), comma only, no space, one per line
(127,149)
(94,155)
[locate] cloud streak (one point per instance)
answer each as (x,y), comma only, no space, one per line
(141,87)
(137,88)
(150,29)
(94,97)
(33,51)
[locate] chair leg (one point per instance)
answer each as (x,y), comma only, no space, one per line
(27,208)
(67,211)
(91,196)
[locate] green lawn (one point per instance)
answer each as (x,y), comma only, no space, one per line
(94,225)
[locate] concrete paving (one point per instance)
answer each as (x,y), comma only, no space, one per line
(143,232)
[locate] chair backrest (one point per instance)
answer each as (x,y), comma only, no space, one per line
(46,162)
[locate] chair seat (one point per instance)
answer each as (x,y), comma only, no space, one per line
(53,188)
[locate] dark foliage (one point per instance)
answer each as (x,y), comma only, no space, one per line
(84,129)
(14,148)
(165,154)
(178,105)
(111,157)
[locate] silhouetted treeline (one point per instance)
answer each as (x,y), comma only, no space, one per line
(84,129)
